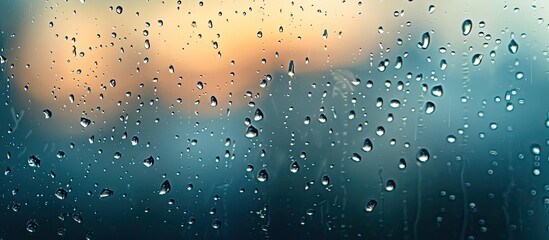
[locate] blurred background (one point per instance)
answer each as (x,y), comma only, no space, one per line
(274,119)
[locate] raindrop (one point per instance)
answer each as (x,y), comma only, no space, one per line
(213,101)
(437,91)
(84,122)
(356,157)
(251,132)
(294,167)
(513,46)
(466,27)
(425,40)
(477,59)
(536,149)
(402,163)
(422,155)
(165,187)
(325,180)
(390,186)
(119,9)
(34,161)
(259,34)
(368,146)
(262,175)
(148,162)
(61,194)
(258,116)
(32,226)
(106,193)
(216,223)
(429,107)
(291,69)
(370,205)
(112,82)
(47,113)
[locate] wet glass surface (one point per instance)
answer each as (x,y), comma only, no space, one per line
(274,119)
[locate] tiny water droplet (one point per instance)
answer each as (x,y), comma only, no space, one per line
(106,193)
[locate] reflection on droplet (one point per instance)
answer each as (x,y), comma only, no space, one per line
(466,27)
(423,155)
(165,187)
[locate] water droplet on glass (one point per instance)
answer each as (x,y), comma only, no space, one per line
(291,68)
(294,167)
(536,149)
(390,185)
(148,162)
(251,132)
(356,157)
(213,101)
(425,40)
(437,91)
(422,155)
(370,205)
(368,146)
(429,107)
(513,46)
(61,194)
(477,59)
(32,226)
(258,116)
(47,113)
(466,27)
(106,193)
(119,10)
(325,180)
(216,223)
(165,187)
(402,163)
(84,122)
(262,175)
(34,161)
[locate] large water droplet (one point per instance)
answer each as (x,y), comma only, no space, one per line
(466,27)
(294,167)
(423,155)
(148,162)
(34,161)
(437,91)
(165,187)
(251,132)
(106,193)
(370,205)
(425,41)
(61,194)
(84,122)
(390,186)
(32,226)
(291,68)
(513,46)
(47,113)
(262,175)
(477,59)
(258,116)
(429,107)
(367,146)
